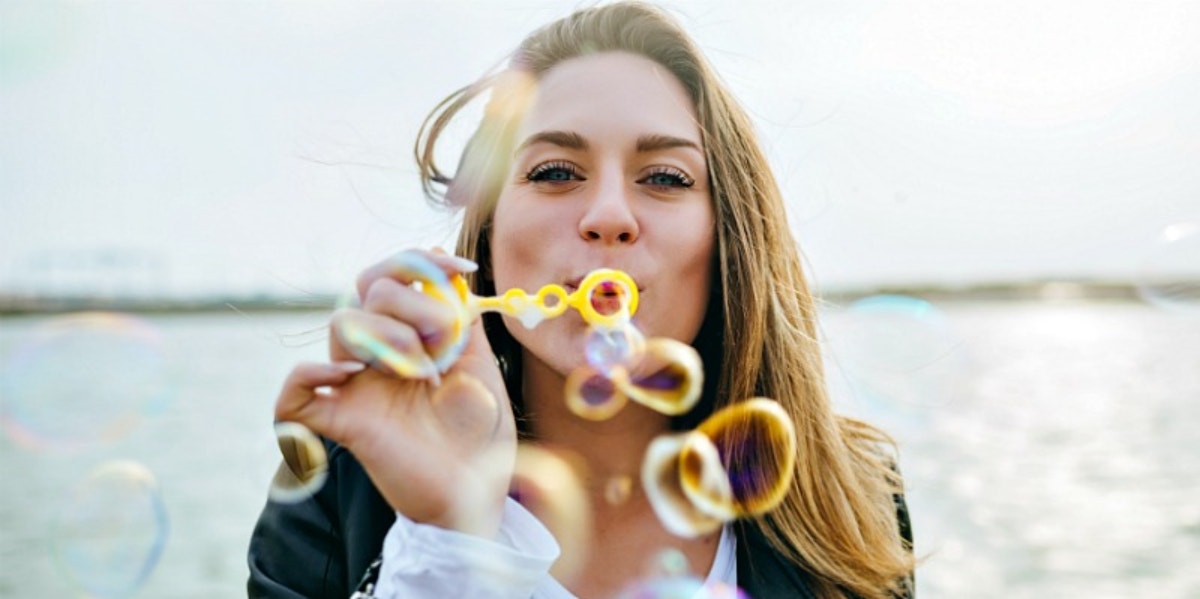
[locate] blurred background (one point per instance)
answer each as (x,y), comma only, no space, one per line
(998,203)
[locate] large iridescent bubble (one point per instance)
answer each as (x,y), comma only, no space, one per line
(899,351)
(112,530)
(79,380)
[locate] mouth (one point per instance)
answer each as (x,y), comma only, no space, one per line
(607,298)
(573,286)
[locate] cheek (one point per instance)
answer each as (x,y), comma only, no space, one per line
(513,245)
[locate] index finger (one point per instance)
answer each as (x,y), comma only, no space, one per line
(414,265)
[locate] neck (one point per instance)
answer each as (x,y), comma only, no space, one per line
(612,449)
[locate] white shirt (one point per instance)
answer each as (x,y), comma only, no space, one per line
(421,560)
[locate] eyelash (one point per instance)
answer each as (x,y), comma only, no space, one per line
(541,172)
(681,179)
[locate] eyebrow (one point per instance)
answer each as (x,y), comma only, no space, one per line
(653,143)
(566,139)
(575,141)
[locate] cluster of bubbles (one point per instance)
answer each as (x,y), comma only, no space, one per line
(71,384)
(739,462)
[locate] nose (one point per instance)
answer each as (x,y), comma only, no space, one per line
(609,217)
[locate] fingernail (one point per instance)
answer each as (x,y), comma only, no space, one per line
(349,366)
(462,264)
(410,366)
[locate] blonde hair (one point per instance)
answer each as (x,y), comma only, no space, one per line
(838,522)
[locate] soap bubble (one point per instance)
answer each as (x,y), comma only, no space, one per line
(305,464)
(739,462)
(667,376)
(592,395)
(112,530)
(1169,274)
(662,481)
(900,351)
(79,380)
(608,348)
(618,489)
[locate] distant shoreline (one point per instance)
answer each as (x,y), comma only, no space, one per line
(19,306)
(1060,290)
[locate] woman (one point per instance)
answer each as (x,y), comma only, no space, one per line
(608,142)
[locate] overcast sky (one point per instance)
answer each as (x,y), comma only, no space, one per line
(191,147)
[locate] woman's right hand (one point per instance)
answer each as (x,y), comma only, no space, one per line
(439,448)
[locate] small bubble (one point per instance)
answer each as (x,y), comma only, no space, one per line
(112,530)
(609,348)
(592,395)
(618,489)
(670,562)
(83,379)
(305,464)
(1169,273)
(667,376)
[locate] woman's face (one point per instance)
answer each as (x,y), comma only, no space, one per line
(608,171)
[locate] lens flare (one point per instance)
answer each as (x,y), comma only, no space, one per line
(305,464)
(80,380)
(1169,274)
(112,530)
(738,463)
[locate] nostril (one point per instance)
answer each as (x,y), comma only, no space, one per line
(593,235)
(624,237)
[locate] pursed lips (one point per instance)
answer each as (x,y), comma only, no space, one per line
(604,301)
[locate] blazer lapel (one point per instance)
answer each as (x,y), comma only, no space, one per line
(762,572)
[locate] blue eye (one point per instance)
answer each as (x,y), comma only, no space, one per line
(554,172)
(668,177)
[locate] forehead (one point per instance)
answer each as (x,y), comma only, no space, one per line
(611,94)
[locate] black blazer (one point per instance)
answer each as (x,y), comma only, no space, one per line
(320,548)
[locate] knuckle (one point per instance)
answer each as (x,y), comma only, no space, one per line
(381,294)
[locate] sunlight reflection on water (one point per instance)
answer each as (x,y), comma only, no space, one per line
(1063,464)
